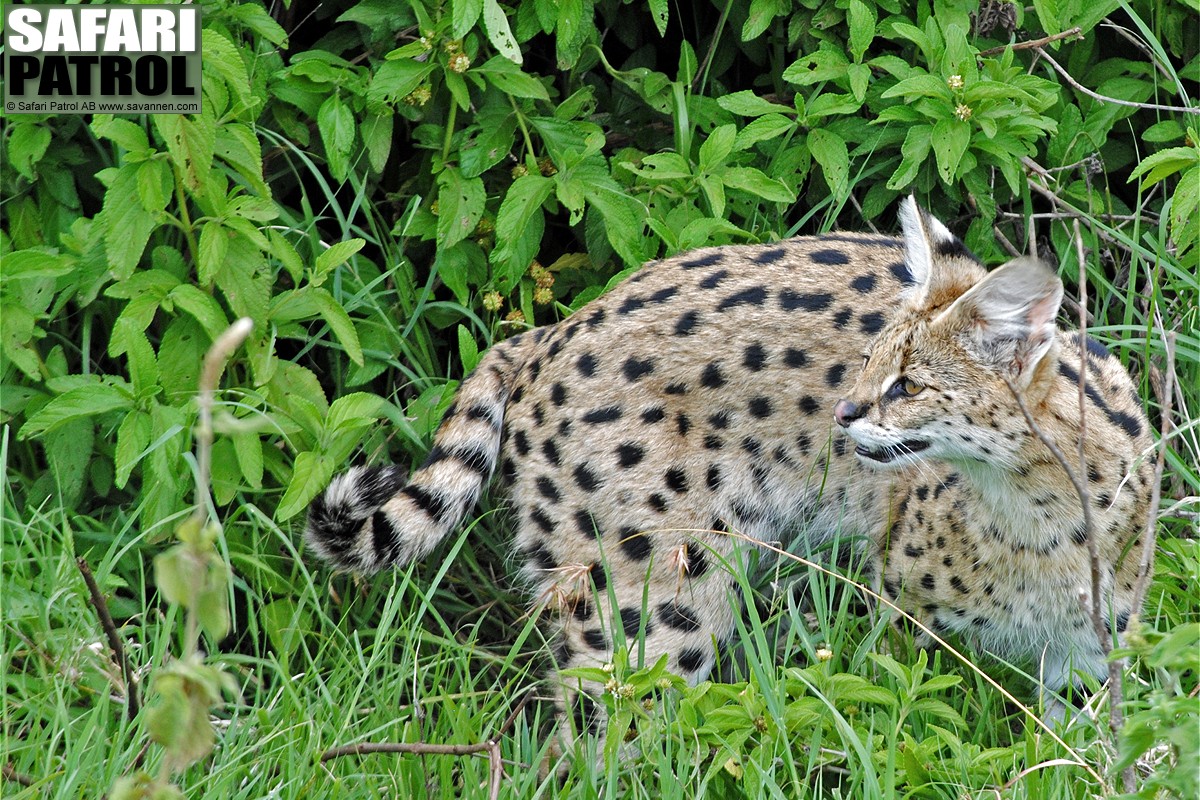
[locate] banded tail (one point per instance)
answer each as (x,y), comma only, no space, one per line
(371,518)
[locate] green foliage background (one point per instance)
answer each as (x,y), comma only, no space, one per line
(387,187)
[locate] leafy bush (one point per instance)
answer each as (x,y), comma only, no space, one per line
(386,188)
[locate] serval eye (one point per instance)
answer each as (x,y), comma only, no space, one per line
(905,387)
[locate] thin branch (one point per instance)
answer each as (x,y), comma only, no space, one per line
(1149,540)
(214,363)
(132,701)
(1104,99)
(11,774)
(1074,33)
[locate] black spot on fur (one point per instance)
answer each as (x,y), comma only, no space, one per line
(676,480)
(635,369)
(833,377)
(586,365)
(714,279)
(697,562)
(547,489)
(540,518)
(770,256)
(599,576)
(791,301)
(706,260)
(631,621)
(385,539)
(587,524)
(842,317)
(760,407)
(586,479)
(1127,422)
(871,322)
(958,585)
(541,558)
(692,659)
(686,324)
(901,271)
(863,284)
(831,257)
(432,504)
(657,502)
(754,357)
(754,296)
(928,582)
(713,442)
(713,479)
(595,639)
(808,405)
(679,617)
(550,451)
(653,414)
(676,388)
(596,318)
(712,377)
(558,394)
(663,295)
(719,420)
(600,415)
(635,544)
(794,357)
(630,453)
(953,248)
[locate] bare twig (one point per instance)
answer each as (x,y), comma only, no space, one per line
(1148,542)
(214,362)
(491,747)
(132,701)
(1103,99)
(12,775)
(1074,33)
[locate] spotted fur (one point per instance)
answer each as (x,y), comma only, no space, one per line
(690,411)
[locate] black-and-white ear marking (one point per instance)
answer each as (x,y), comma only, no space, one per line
(1011,314)
(924,237)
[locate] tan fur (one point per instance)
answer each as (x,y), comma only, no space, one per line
(698,397)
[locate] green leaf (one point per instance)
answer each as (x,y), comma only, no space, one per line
(336,254)
(27,145)
(468,349)
(376,131)
(202,306)
(248,448)
(756,182)
(766,127)
(1049,15)
(395,80)
(714,192)
(508,78)
(35,264)
(759,17)
(498,31)
(827,63)
(951,137)
(859,76)
(861,19)
(921,86)
(658,9)
(464,14)
(914,151)
(353,411)
(127,224)
(132,437)
(1165,163)
(829,150)
(717,147)
(310,474)
(339,322)
(460,206)
(747,104)
(662,167)
(125,133)
(336,124)
(82,401)
(190,142)
(213,247)
(519,226)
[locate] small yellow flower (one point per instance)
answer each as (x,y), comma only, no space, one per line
(492,301)
(516,315)
(963,112)
(419,96)
(520,171)
(824,654)
(546,165)
(543,296)
(460,63)
(955,81)
(626,691)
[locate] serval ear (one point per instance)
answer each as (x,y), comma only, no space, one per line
(937,260)
(1007,320)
